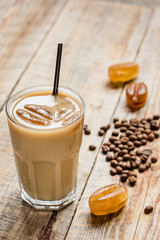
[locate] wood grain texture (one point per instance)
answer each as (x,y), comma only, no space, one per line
(91,45)
(130,219)
(23,26)
(148,3)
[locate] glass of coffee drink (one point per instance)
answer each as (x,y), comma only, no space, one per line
(46,135)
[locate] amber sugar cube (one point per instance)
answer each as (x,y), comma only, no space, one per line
(108,199)
(123,72)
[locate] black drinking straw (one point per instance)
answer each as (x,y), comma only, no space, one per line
(57,69)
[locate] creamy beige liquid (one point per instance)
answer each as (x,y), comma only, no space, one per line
(46,149)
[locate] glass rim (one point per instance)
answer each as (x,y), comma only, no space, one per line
(12,97)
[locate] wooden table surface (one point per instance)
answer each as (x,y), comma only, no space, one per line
(96,34)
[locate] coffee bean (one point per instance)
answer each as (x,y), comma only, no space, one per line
(123,120)
(132,138)
(85,126)
(124,140)
(137,133)
(92,147)
(104,128)
(154,159)
(126,124)
(113,139)
(133,158)
(119,159)
(101,132)
(142,168)
(132,153)
(126,157)
(109,157)
(115,120)
(131,173)
(130,144)
(148,209)
(149,119)
(117,124)
(133,165)
(116,155)
(143,158)
(119,169)
(138,152)
(138,162)
(143,142)
(112,147)
(125,172)
(132,180)
(131,128)
(124,177)
(143,121)
(139,137)
(121,164)
(137,143)
(123,129)
(105,149)
(120,146)
(140,125)
(131,148)
(151,137)
(154,126)
(117,142)
(113,171)
(144,136)
(115,133)
(106,144)
(128,133)
(114,163)
(156,117)
(147,152)
(116,149)
(125,146)
(128,165)
(87,131)
(148,131)
(156,134)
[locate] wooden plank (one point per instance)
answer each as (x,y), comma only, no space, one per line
(148,3)
(91,45)
(23,25)
(131,218)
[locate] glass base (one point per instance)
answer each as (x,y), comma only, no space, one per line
(49,205)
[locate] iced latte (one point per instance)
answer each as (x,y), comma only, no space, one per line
(46,134)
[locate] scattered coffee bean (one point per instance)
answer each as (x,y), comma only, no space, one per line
(115,133)
(128,133)
(154,126)
(113,171)
(101,132)
(113,139)
(117,124)
(123,129)
(107,143)
(133,158)
(143,158)
(132,138)
(138,162)
(125,172)
(156,134)
(132,153)
(126,157)
(138,152)
(133,165)
(119,169)
(126,124)
(124,177)
(117,142)
(132,180)
(119,159)
(105,128)
(143,142)
(137,143)
(156,117)
(142,168)
(105,149)
(114,163)
(131,173)
(151,137)
(149,119)
(154,159)
(92,147)
(124,121)
(148,209)
(120,146)
(87,131)
(148,164)
(115,120)
(109,157)
(148,131)
(112,147)
(144,136)
(116,149)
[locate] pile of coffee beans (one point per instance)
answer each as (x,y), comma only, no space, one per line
(122,148)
